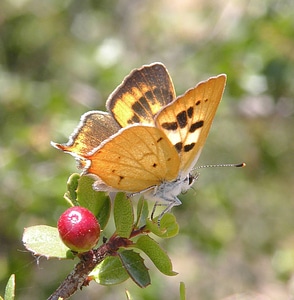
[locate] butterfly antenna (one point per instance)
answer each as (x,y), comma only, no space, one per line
(241,165)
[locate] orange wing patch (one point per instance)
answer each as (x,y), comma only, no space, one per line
(136,158)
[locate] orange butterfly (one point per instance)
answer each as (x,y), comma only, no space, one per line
(150,140)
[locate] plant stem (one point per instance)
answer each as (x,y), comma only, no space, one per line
(88,261)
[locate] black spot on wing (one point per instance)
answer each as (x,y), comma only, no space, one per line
(144,101)
(198,102)
(196,125)
(161,95)
(179,146)
(170,125)
(182,119)
(141,107)
(134,119)
(149,95)
(121,178)
(157,93)
(189,147)
(190,111)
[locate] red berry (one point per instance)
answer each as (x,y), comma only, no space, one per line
(79,229)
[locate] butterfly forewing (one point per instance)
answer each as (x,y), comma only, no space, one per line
(187,120)
(141,95)
(94,127)
(136,158)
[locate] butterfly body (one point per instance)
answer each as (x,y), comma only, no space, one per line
(168,191)
(150,140)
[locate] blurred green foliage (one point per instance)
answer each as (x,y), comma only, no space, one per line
(59,59)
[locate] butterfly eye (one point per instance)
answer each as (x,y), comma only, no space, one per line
(192,178)
(189,181)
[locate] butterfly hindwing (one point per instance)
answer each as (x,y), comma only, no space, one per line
(94,127)
(187,120)
(136,158)
(141,95)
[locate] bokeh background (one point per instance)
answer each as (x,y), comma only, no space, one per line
(59,59)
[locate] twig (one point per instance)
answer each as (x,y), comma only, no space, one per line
(89,260)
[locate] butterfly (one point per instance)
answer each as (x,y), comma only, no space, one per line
(149,140)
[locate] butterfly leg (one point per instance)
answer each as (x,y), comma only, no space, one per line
(154,208)
(171,203)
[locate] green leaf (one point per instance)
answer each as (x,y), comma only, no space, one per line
(134,264)
(10,288)
(182,291)
(123,215)
(72,185)
(142,212)
(44,240)
(156,254)
(104,210)
(97,202)
(168,226)
(110,271)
